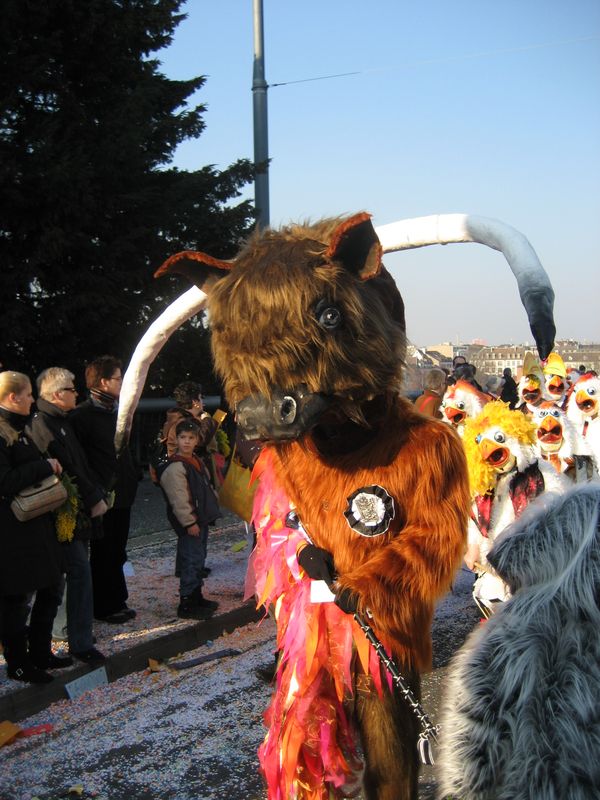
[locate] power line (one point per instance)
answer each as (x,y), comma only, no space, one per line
(320,78)
(446,60)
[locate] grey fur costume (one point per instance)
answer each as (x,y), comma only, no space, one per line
(521,718)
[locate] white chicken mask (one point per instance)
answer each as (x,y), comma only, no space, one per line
(550,423)
(555,376)
(587,395)
(460,401)
(502,452)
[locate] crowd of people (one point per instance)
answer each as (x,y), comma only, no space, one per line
(57,577)
(541,434)
(40,558)
(437,380)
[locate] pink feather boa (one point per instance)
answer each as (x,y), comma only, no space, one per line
(310,750)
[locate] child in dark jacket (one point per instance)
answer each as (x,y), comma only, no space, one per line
(191,506)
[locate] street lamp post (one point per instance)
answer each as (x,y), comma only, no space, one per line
(261,138)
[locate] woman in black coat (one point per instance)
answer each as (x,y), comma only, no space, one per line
(30,556)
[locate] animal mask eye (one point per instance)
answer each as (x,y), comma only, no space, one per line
(460,405)
(555,413)
(591,391)
(499,437)
(328,316)
(543,414)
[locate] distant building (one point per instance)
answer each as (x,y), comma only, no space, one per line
(417,357)
(574,353)
(493,359)
(439,359)
(450,351)
(446,349)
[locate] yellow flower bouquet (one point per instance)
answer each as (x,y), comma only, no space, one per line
(67,515)
(222,441)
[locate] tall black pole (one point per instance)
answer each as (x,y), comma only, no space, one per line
(261,138)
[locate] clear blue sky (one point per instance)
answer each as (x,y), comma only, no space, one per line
(478,106)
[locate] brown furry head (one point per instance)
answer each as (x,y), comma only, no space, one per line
(305,306)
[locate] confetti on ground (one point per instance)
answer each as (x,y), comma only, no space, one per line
(178,734)
(136,740)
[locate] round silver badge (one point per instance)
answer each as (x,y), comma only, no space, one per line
(370,510)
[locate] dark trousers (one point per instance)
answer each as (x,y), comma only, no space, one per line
(79,605)
(107,556)
(190,561)
(16,637)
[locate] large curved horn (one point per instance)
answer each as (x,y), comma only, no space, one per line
(534,284)
(150,345)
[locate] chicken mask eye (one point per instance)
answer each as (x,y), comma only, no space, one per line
(328,316)
(460,405)
(591,391)
(499,437)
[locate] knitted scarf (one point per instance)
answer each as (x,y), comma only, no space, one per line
(103,399)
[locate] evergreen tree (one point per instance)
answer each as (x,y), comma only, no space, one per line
(89,206)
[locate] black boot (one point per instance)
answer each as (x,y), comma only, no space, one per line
(18,664)
(189,609)
(27,673)
(50,661)
(203,602)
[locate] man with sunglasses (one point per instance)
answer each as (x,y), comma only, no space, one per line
(52,433)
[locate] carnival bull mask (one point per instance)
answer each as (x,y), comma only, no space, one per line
(306,322)
(301,319)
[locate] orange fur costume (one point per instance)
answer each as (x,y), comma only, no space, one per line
(327,670)
(308,335)
(399,575)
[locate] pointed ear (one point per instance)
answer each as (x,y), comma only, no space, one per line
(354,243)
(198,268)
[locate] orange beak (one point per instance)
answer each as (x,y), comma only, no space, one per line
(556,386)
(584,402)
(550,431)
(493,453)
(531,391)
(455,415)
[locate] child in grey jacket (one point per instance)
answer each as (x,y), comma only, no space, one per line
(191,506)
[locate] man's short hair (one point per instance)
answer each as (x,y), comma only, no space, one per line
(187,426)
(53,380)
(101,367)
(435,380)
(186,393)
(465,372)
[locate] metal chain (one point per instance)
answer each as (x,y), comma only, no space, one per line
(429,728)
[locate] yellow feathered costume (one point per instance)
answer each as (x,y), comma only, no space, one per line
(483,476)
